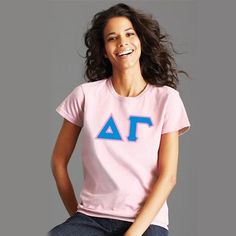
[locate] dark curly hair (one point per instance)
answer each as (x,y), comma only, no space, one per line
(157,61)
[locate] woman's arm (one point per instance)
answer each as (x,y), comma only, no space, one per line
(167,169)
(61,155)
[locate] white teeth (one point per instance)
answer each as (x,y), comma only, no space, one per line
(125,52)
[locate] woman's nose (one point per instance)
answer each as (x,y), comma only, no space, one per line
(122,42)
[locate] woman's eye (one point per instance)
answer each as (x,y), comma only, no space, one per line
(130,34)
(112,38)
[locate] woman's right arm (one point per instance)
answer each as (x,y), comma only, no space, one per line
(61,155)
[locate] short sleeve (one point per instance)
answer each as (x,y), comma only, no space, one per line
(71,107)
(175,115)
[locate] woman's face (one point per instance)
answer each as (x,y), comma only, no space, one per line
(122,45)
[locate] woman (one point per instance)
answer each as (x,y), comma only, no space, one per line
(132,116)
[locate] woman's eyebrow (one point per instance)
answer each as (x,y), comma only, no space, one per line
(115,33)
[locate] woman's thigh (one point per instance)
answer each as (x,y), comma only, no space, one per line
(84,225)
(79,225)
(156,230)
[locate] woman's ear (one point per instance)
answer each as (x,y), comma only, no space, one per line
(104,53)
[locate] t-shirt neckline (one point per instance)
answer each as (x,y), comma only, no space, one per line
(118,96)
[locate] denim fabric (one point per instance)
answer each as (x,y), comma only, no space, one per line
(84,225)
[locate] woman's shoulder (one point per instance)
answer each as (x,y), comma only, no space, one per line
(85,86)
(164,90)
(93,84)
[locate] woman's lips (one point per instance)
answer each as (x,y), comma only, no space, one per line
(126,53)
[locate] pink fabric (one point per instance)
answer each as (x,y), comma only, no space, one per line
(121,137)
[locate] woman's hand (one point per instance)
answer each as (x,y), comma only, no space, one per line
(129,233)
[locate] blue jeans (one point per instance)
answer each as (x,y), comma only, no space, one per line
(84,225)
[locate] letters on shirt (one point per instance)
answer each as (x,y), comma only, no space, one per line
(115,135)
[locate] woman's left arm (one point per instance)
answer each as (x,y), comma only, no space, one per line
(167,169)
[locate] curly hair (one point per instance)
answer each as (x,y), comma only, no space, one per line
(157,61)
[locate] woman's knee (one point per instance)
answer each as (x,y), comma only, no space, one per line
(156,230)
(63,229)
(56,231)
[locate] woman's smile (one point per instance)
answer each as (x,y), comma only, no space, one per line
(126,54)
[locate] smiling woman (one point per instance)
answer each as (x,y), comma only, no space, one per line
(157,60)
(122,45)
(132,116)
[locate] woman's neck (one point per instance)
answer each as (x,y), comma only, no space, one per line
(128,84)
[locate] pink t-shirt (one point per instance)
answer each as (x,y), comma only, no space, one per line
(121,137)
